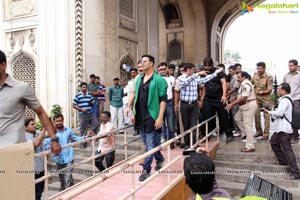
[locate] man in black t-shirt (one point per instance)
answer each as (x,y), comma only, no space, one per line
(215,99)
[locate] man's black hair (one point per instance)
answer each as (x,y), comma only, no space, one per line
(261,64)
(181,65)
(286,87)
(208,61)
(163,64)
(238,65)
(133,70)
(27,121)
(107,113)
(97,77)
(232,67)
(171,66)
(83,83)
(294,61)
(58,115)
(92,76)
(151,58)
(199,172)
(2,57)
(188,66)
(245,74)
(116,79)
(221,65)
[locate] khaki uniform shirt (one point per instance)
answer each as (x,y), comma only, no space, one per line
(293,79)
(264,82)
(246,90)
(14,96)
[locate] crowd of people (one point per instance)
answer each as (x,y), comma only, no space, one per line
(156,102)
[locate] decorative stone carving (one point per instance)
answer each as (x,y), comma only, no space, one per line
(126,8)
(127,18)
(12,41)
(22,39)
(31,38)
(21,42)
(78,41)
(19,8)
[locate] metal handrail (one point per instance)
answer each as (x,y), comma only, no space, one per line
(91,158)
(102,177)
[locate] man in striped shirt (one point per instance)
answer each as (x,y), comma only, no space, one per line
(186,90)
(83,102)
(101,97)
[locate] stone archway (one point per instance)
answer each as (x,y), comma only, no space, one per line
(226,15)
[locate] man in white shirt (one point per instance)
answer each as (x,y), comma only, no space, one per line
(168,127)
(281,139)
(106,144)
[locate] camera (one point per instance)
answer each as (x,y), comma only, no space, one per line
(266,106)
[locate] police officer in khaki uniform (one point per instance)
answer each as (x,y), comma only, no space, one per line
(247,108)
(263,85)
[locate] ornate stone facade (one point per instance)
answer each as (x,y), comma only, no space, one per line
(66,41)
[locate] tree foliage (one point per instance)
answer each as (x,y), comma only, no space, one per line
(231,56)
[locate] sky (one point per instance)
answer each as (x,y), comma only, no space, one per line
(273,38)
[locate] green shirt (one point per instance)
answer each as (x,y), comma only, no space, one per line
(157,90)
(93,88)
(116,96)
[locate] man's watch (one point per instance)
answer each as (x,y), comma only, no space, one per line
(56,139)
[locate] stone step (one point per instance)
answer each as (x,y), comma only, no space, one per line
(232,175)
(251,166)
(235,185)
(233,167)
(261,145)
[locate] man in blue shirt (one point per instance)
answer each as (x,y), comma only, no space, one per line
(66,157)
(37,139)
(83,102)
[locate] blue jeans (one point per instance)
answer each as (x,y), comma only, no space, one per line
(168,131)
(151,140)
(96,109)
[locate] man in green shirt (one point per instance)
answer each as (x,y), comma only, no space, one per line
(149,107)
(116,93)
(93,89)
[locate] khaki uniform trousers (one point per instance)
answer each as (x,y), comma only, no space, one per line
(244,119)
(260,104)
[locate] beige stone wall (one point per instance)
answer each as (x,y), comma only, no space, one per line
(107,38)
(192,35)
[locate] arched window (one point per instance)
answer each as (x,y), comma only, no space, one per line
(171,13)
(174,50)
(24,70)
(126,65)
